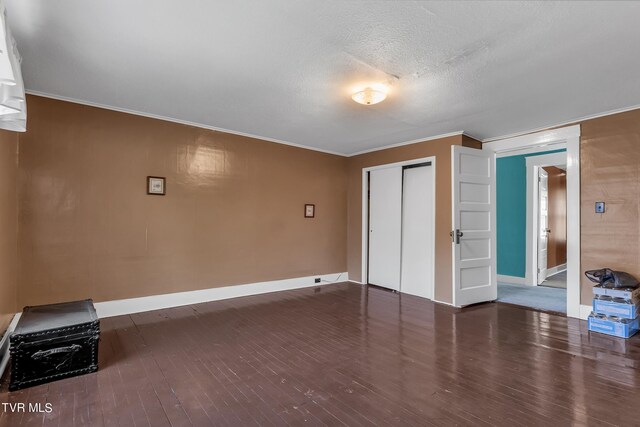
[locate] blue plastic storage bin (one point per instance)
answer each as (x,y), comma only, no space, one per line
(623,328)
(623,310)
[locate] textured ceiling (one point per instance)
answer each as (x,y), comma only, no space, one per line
(284,70)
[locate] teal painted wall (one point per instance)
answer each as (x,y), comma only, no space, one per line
(511,215)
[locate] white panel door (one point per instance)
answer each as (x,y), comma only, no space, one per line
(474,225)
(385,226)
(543,223)
(418,230)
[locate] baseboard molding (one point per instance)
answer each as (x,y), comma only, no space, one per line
(158,302)
(557,269)
(445,303)
(432,300)
(512,279)
(4,343)
(585,311)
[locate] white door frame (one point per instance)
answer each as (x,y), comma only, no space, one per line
(365,215)
(534,163)
(549,140)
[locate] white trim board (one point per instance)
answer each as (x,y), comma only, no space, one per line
(4,343)
(555,270)
(532,150)
(444,303)
(511,279)
(158,302)
(585,311)
(413,141)
(534,139)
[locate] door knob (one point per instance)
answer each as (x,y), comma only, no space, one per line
(458,235)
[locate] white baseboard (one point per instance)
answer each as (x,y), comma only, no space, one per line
(585,311)
(157,302)
(433,300)
(512,279)
(4,343)
(555,270)
(445,303)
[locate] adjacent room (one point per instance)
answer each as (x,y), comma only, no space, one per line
(531,226)
(319,213)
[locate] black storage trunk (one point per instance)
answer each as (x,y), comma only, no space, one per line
(54,341)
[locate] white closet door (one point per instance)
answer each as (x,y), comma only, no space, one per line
(418,231)
(385,225)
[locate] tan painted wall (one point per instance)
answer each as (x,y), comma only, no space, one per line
(557,247)
(88,230)
(8,227)
(233,212)
(441,149)
(610,172)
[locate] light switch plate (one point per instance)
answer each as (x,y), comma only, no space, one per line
(599,207)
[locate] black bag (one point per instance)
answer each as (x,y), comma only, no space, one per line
(608,278)
(54,341)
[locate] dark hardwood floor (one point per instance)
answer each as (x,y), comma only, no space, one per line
(345,355)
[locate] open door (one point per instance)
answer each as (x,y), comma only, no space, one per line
(543,223)
(474,225)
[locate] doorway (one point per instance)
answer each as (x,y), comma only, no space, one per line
(552,226)
(563,150)
(399,226)
(529,199)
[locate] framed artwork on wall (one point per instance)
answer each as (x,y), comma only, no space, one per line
(156,185)
(309,210)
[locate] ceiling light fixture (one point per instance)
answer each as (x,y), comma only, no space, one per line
(369,96)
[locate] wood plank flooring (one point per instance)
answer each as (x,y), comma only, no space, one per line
(345,354)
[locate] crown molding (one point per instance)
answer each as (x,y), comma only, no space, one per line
(179,121)
(306,147)
(413,141)
(566,123)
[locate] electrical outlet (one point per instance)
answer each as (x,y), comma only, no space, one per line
(599,207)
(317,280)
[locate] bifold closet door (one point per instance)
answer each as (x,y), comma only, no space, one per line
(418,231)
(385,227)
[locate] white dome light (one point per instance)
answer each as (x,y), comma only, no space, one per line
(369,96)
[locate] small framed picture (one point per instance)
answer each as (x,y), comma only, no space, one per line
(156,185)
(309,211)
